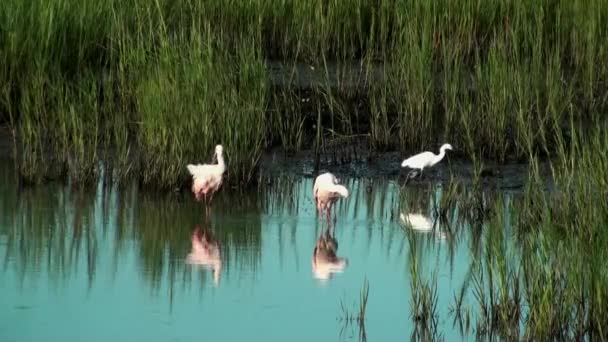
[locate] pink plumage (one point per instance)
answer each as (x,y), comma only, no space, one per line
(207,178)
(327,191)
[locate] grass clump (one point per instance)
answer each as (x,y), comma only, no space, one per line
(496,79)
(206,98)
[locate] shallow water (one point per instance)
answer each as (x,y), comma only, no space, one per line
(116,263)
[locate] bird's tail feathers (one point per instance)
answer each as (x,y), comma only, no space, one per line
(191,168)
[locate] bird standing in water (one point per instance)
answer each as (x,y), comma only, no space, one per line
(425,159)
(327,191)
(207,178)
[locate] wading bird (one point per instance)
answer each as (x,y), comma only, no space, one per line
(205,252)
(207,178)
(325,262)
(424,159)
(327,191)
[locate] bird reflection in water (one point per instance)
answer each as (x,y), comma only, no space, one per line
(325,262)
(205,252)
(423,224)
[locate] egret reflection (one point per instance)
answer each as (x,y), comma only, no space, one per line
(205,252)
(325,262)
(422,224)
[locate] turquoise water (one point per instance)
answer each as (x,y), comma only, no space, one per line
(111,264)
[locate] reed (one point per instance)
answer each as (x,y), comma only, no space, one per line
(348,317)
(497,79)
(538,273)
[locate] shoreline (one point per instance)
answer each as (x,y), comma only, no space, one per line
(276,162)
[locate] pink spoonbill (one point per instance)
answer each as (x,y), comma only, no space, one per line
(327,191)
(207,178)
(325,262)
(205,252)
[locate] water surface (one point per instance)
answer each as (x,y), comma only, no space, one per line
(119,264)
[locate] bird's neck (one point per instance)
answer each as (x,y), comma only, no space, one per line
(220,161)
(439,156)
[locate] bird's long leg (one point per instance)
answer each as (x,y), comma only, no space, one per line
(414,173)
(409,176)
(334,225)
(335,218)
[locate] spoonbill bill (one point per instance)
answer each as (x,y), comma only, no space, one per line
(425,159)
(325,262)
(205,252)
(327,191)
(207,178)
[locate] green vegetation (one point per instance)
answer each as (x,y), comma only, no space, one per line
(147,87)
(538,257)
(348,317)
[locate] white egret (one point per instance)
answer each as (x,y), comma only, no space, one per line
(425,159)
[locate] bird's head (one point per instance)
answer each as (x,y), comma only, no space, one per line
(447,147)
(219,150)
(342,191)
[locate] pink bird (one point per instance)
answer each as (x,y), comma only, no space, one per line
(205,252)
(327,191)
(325,262)
(207,178)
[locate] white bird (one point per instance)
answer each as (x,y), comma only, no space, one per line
(425,159)
(207,178)
(327,191)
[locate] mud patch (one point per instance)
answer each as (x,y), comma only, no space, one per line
(509,177)
(366,164)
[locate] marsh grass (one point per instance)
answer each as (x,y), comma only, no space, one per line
(188,107)
(424,299)
(537,270)
(348,317)
(158,83)
(537,256)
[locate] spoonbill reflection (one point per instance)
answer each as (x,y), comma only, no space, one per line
(325,262)
(421,223)
(327,191)
(205,252)
(425,159)
(207,178)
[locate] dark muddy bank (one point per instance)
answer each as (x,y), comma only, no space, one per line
(387,165)
(357,161)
